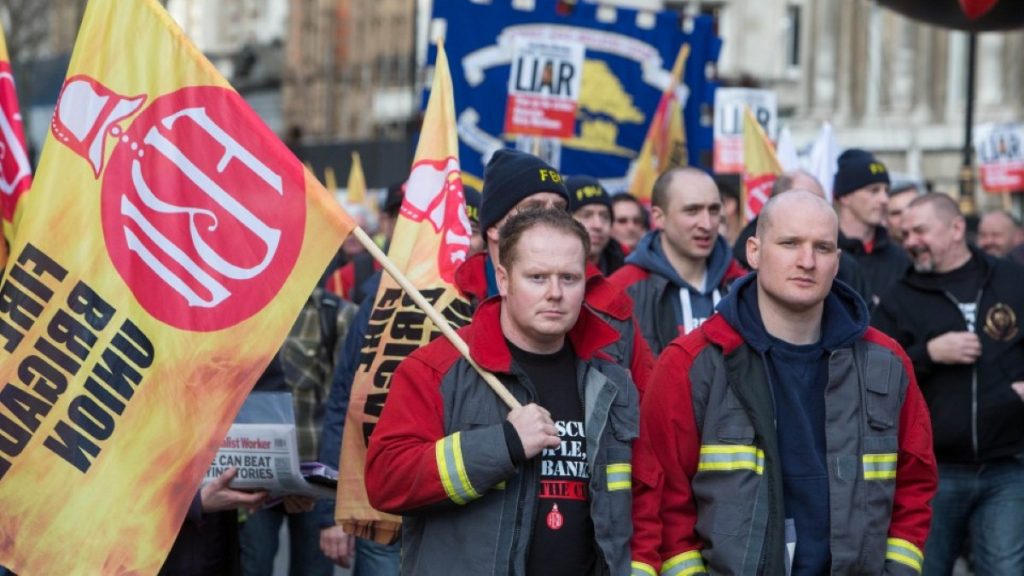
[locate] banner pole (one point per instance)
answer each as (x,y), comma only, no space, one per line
(434,316)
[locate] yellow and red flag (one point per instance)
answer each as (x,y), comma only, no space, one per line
(665,144)
(356,182)
(430,241)
(760,165)
(15,169)
(167,246)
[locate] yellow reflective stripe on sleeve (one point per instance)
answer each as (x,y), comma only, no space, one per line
(904,552)
(620,476)
(452,469)
(442,471)
(729,457)
(880,466)
(684,564)
(641,569)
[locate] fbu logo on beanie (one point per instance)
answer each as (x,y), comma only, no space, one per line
(202,218)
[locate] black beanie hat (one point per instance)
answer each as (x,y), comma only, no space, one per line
(856,169)
(511,176)
(584,190)
(472,202)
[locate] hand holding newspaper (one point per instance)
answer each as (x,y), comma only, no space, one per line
(262,445)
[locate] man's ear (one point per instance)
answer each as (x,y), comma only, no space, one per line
(492,235)
(753,251)
(657,218)
(501,275)
(959,226)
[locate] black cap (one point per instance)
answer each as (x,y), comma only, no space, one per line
(472,202)
(856,169)
(510,177)
(584,190)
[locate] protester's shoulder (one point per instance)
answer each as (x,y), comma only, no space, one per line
(1007,269)
(608,298)
(628,275)
(878,338)
(734,271)
(437,357)
(683,349)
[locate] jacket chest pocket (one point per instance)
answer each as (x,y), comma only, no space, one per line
(883,390)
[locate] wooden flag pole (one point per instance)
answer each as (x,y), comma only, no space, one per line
(434,316)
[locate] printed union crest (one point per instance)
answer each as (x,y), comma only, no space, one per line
(434,194)
(1001,322)
(202,216)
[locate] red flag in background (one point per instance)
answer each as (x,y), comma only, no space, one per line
(15,170)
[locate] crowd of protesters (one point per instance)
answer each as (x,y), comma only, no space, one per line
(841,390)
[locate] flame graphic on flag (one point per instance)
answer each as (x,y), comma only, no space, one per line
(113,430)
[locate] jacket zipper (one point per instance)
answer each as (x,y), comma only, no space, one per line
(526,478)
(974,373)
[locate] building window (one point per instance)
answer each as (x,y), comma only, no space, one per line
(793,35)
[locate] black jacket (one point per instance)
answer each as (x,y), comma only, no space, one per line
(612,258)
(976,416)
(882,267)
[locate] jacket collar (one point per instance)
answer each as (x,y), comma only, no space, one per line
(471,277)
(487,343)
(605,297)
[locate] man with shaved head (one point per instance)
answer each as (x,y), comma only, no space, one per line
(679,271)
(734,472)
(849,269)
(957,312)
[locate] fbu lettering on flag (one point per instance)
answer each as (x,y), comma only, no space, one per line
(202,229)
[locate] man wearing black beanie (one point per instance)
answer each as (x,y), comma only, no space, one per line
(860,192)
(591,206)
(516,181)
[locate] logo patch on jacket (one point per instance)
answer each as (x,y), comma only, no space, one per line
(1001,322)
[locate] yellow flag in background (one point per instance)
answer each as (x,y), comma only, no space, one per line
(665,144)
(760,165)
(430,240)
(330,180)
(167,246)
(356,182)
(15,169)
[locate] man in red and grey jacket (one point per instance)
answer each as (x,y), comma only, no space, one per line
(678,272)
(543,489)
(784,436)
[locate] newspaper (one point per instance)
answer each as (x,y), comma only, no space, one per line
(262,445)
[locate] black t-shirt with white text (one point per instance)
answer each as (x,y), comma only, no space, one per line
(562,542)
(964,284)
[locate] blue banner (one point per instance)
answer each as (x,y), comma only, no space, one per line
(628,60)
